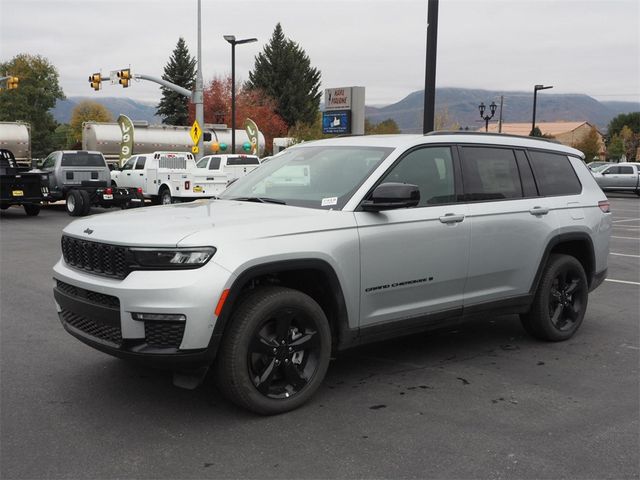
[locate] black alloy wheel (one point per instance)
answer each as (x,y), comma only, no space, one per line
(560,302)
(283,353)
(275,352)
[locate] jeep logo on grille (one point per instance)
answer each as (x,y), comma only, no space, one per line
(88,231)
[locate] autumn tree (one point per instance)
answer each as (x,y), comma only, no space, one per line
(87,111)
(180,70)
(250,103)
(283,72)
(388,126)
(589,145)
(37,93)
(615,148)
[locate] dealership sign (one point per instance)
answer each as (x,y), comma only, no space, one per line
(337,99)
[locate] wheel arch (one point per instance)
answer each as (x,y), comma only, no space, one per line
(314,277)
(576,244)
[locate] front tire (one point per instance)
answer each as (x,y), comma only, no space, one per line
(165,197)
(276,351)
(561,300)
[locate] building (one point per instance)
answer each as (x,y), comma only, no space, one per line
(567,133)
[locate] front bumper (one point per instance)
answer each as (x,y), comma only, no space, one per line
(98,311)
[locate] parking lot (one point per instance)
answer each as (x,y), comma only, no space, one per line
(482,401)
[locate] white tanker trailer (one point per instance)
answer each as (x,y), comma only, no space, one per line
(16,137)
(106,137)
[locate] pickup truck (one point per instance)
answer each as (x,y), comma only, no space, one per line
(82,179)
(163,177)
(216,172)
(623,177)
(18,186)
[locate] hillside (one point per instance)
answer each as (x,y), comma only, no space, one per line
(462,106)
(133,109)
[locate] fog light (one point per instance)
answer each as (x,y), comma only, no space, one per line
(165,317)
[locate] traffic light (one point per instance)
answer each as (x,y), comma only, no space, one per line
(95,80)
(12,82)
(125,77)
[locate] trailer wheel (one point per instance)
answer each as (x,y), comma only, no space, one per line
(165,197)
(31,209)
(86,203)
(75,204)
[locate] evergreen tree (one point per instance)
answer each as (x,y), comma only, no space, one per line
(283,71)
(181,70)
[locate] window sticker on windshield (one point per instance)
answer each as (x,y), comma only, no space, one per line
(329,201)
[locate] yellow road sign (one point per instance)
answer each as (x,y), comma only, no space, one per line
(195,132)
(194,149)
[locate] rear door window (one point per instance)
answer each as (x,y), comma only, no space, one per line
(554,174)
(214,164)
(490,174)
(628,170)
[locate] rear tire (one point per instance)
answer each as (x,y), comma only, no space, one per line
(86,203)
(31,209)
(561,300)
(75,204)
(275,352)
(165,197)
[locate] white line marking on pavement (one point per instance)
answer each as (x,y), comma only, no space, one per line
(626,238)
(633,347)
(626,220)
(621,281)
(624,255)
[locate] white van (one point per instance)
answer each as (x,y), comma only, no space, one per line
(215,172)
(163,176)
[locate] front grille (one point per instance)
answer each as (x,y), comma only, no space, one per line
(93,297)
(106,333)
(164,334)
(94,257)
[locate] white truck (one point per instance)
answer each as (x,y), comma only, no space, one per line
(164,177)
(216,172)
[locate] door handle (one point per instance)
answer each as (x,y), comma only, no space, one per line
(128,174)
(539,211)
(141,174)
(452,218)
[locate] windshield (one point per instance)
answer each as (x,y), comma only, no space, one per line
(599,168)
(202,163)
(322,177)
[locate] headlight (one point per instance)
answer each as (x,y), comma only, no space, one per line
(171,258)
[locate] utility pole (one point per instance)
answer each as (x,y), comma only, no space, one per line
(535,98)
(500,117)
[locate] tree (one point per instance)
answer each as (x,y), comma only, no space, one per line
(283,71)
(181,70)
(589,145)
(631,120)
(615,148)
(303,132)
(631,142)
(36,94)
(387,126)
(86,111)
(252,104)
(62,138)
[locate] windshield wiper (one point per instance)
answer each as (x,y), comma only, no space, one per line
(260,200)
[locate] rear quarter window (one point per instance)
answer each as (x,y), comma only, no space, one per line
(554,174)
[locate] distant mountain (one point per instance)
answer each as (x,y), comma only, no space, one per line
(131,108)
(462,107)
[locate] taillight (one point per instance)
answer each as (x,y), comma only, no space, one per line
(139,190)
(605,206)
(108,191)
(187,185)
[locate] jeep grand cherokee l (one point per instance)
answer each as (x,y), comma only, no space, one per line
(375,237)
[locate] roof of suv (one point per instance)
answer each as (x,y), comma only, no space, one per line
(405,140)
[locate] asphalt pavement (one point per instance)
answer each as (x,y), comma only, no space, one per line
(481,401)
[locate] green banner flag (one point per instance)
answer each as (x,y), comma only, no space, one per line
(126,144)
(252,132)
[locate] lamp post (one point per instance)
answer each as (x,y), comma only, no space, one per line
(486,118)
(535,98)
(232,40)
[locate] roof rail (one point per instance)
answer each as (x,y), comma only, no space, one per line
(493,134)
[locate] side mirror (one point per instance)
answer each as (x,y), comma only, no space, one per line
(388,196)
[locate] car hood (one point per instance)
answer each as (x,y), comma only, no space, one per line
(211,220)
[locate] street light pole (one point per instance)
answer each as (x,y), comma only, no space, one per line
(535,98)
(428,119)
(232,40)
(486,118)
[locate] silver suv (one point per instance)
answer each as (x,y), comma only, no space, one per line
(333,244)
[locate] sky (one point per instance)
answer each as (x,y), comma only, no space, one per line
(578,46)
